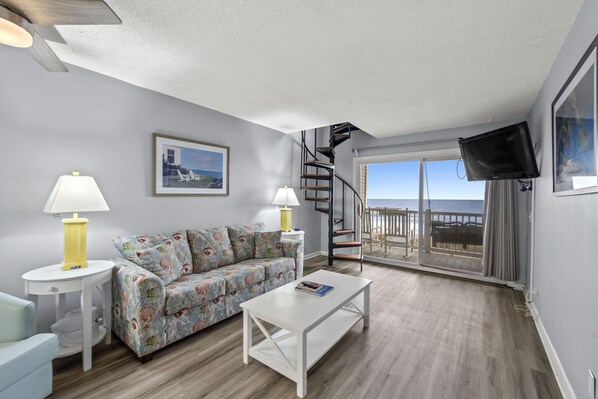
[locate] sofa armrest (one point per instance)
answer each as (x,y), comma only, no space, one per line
(138,299)
(20,359)
(138,281)
(18,318)
(294,249)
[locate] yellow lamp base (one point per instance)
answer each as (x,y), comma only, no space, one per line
(285,219)
(75,240)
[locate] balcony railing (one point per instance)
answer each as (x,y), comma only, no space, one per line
(454,233)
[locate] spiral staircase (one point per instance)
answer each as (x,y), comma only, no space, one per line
(332,194)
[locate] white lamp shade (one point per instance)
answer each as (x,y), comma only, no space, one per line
(285,196)
(75,194)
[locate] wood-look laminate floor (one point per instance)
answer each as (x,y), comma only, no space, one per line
(430,337)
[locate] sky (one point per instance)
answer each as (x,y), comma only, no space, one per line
(201,160)
(400,180)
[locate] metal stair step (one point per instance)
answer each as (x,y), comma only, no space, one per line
(338,139)
(343,128)
(317,199)
(350,257)
(316,176)
(326,151)
(316,188)
(347,244)
(319,164)
(323,210)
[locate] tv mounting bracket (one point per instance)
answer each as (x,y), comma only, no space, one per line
(526,185)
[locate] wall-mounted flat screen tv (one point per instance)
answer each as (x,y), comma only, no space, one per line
(505,153)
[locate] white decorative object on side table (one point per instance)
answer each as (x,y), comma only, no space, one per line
(310,325)
(52,280)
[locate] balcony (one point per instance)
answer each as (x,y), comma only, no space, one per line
(451,240)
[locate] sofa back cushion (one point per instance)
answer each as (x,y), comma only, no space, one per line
(210,248)
(162,261)
(268,244)
(242,240)
(129,245)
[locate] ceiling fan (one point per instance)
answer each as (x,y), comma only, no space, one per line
(29,23)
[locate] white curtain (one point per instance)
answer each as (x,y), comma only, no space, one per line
(499,256)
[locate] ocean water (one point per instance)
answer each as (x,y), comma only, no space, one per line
(209,173)
(464,206)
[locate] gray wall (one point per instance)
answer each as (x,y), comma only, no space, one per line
(387,146)
(565,266)
(51,124)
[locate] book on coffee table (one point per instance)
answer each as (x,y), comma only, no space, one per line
(313,288)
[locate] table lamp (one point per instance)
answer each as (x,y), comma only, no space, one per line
(285,196)
(74,193)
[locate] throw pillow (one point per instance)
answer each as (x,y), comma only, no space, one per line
(241,238)
(268,244)
(161,260)
(210,249)
(129,245)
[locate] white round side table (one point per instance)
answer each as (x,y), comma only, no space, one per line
(52,280)
(298,235)
(294,235)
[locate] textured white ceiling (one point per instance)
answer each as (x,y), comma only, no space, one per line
(388,66)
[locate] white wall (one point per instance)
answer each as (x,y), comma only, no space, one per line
(566,238)
(51,124)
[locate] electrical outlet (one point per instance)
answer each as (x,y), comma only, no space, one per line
(591,385)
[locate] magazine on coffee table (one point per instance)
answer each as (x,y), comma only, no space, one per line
(313,288)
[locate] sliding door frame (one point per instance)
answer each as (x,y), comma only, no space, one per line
(421,157)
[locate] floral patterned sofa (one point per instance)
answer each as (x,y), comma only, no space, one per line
(169,286)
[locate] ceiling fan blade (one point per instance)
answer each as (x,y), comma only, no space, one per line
(49,32)
(64,12)
(44,55)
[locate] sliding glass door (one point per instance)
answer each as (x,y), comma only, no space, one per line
(391,214)
(452,217)
(423,211)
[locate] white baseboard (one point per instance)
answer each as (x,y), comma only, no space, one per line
(555,362)
(314,254)
(518,287)
(526,294)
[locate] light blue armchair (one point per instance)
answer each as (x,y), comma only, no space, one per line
(25,357)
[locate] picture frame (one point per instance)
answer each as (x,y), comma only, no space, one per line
(186,167)
(575,130)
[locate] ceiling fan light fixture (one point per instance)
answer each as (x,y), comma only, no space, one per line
(12,30)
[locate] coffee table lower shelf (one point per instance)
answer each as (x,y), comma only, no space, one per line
(319,341)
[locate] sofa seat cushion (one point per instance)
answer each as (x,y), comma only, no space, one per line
(275,267)
(21,358)
(210,248)
(191,291)
(239,276)
(129,245)
(242,240)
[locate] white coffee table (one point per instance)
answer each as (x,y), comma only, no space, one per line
(310,325)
